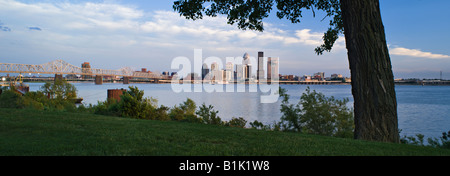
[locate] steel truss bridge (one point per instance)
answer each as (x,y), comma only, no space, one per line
(60,67)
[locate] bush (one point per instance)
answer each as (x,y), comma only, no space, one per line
(260,126)
(109,107)
(132,104)
(160,114)
(413,140)
(236,122)
(185,112)
(209,115)
(317,114)
(11,99)
(418,139)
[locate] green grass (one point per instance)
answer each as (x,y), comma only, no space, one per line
(29,132)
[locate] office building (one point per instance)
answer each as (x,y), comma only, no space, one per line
(247,67)
(229,72)
(205,71)
(260,71)
(272,68)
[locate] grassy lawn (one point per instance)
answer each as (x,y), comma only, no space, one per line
(29,132)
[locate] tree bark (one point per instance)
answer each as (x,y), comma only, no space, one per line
(373,86)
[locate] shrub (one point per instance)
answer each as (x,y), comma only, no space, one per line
(276,126)
(209,115)
(236,122)
(11,99)
(185,112)
(413,140)
(418,139)
(109,107)
(442,142)
(317,114)
(132,104)
(160,113)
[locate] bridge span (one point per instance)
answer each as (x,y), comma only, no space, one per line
(60,67)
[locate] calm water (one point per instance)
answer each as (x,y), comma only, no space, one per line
(421,109)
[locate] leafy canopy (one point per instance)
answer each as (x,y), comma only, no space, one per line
(249,14)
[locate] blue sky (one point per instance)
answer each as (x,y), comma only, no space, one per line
(112,34)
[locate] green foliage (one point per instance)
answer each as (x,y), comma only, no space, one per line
(317,114)
(209,115)
(11,99)
(236,122)
(442,142)
(133,104)
(59,89)
(413,140)
(185,112)
(59,95)
(109,107)
(249,14)
(276,126)
(160,114)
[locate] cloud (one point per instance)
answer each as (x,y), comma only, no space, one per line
(5,29)
(35,28)
(96,20)
(416,53)
(110,32)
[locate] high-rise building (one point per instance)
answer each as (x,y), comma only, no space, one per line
(214,66)
(214,72)
(272,68)
(247,66)
(86,68)
(240,72)
(260,71)
(205,71)
(229,71)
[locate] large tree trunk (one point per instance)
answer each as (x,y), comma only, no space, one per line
(370,65)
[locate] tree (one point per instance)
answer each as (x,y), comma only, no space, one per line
(375,104)
(59,89)
(133,104)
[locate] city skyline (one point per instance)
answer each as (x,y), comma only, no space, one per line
(111,34)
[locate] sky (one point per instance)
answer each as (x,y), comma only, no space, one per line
(112,34)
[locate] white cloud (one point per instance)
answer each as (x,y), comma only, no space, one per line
(416,53)
(111,31)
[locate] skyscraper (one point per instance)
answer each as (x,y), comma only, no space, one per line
(272,68)
(214,72)
(247,66)
(240,72)
(205,71)
(260,71)
(229,71)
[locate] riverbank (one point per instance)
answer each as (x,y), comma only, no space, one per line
(29,132)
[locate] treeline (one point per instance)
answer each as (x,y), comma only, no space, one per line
(58,95)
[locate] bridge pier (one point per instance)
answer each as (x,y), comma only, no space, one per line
(98,80)
(126,80)
(58,77)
